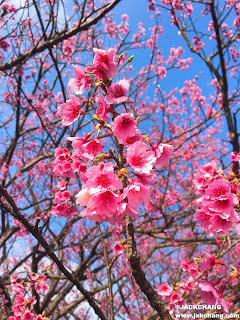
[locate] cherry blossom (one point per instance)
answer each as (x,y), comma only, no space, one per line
(97,201)
(81,83)
(208,262)
(118,248)
(217,213)
(140,157)
(117,92)
(136,194)
(102,177)
(103,108)
(128,140)
(164,290)
(163,153)
(210,295)
(124,126)
(70,111)
(235,156)
(105,66)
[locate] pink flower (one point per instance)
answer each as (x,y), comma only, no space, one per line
(83,197)
(77,143)
(102,109)
(219,189)
(219,224)
(176,299)
(78,166)
(128,140)
(163,153)
(208,262)
(124,125)
(70,111)
(4,44)
(104,64)
(205,176)
(104,199)
(146,179)
(102,177)
(164,290)
(28,315)
(224,206)
(61,184)
(14,278)
(235,156)
(39,282)
(85,150)
(140,158)
(90,149)
(217,212)
(193,271)
(210,295)
(118,248)
(128,210)
(101,205)
(186,286)
(117,92)
(63,210)
(189,267)
(136,193)
(81,83)
(17,288)
(199,45)
(18,307)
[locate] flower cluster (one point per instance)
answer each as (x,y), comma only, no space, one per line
(23,306)
(4,44)
(109,191)
(210,291)
(217,213)
(171,296)
(207,289)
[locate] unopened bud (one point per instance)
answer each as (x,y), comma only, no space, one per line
(130,59)
(101,157)
(120,58)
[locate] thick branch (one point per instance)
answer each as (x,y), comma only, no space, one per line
(139,276)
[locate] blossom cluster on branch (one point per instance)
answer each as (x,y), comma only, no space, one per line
(118,180)
(218,201)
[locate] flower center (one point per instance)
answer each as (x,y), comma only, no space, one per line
(125,122)
(103,181)
(118,92)
(137,161)
(105,59)
(76,112)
